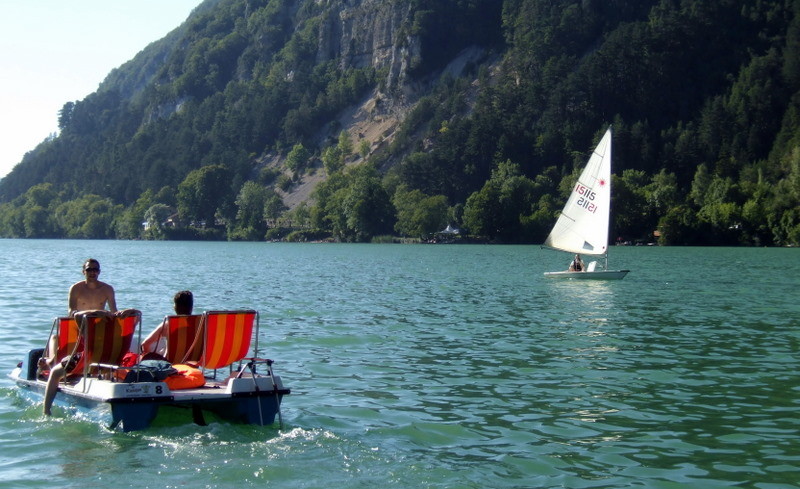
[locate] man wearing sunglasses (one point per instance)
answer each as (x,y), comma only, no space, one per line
(91,294)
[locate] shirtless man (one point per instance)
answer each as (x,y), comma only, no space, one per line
(87,295)
(91,294)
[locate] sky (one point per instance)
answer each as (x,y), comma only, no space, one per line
(58,51)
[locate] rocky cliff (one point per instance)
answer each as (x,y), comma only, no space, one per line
(370,33)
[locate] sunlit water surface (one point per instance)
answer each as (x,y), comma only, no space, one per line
(440,367)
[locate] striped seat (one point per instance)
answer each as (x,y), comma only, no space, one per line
(107,338)
(183,343)
(67,334)
(65,340)
(228,335)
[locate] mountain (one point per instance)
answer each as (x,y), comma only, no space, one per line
(353,119)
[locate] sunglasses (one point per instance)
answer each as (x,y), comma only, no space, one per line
(92,269)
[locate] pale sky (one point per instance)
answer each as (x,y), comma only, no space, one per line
(57,51)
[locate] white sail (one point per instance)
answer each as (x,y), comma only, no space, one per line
(582,226)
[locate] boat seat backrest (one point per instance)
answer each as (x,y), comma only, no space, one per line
(228,335)
(184,344)
(67,336)
(107,338)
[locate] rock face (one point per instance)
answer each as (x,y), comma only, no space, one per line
(376,34)
(370,33)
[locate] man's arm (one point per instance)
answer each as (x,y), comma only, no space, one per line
(112,300)
(72,302)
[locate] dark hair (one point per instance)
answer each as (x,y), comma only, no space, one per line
(184,302)
(90,261)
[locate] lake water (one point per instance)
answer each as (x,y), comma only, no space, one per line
(421,366)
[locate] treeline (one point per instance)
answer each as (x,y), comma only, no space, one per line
(704,98)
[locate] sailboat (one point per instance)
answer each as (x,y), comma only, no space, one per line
(582,227)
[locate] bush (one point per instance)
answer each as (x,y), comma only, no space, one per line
(303,236)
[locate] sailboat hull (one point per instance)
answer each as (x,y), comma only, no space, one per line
(597,275)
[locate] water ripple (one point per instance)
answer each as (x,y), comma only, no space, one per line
(447,367)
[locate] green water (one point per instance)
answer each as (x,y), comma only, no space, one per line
(441,367)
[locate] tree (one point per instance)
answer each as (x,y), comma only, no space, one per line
(297,158)
(783,216)
(700,184)
(202,193)
(662,193)
(332,160)
(345,144)
(497,210)
(250,209)
(42,195)
(155,217)
(537,225)
(629,205)
(419,215)
(129,225)
(11,221)
(89,216)
(482,211)
(364,148)
(273,206)
(65,115)
(37,222)
(680,227)
(354,205)
(368,211)
(36,212)
(300,216)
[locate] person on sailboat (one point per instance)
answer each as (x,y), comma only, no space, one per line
(576,265)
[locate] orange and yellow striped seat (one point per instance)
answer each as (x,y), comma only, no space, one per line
(68,335)
(227,337)
(183,343)
(108,338)
(66,340)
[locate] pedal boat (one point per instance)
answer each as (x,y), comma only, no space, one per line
(131,398)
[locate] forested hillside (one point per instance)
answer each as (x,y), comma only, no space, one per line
(357,119)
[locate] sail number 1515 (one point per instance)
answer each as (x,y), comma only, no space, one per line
(586,198)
